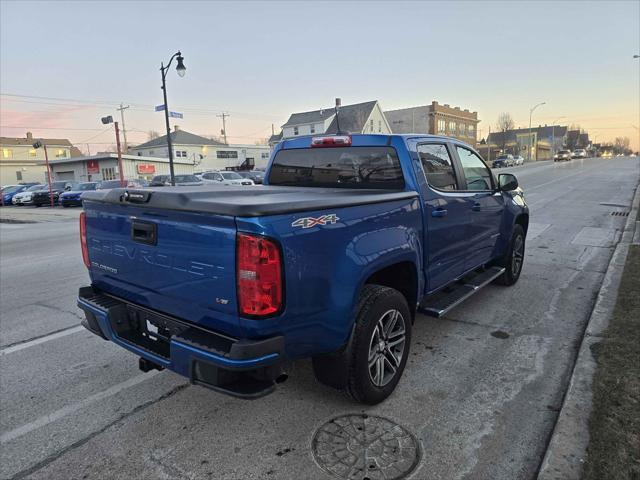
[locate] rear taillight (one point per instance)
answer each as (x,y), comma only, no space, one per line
(83,239)
(259,275)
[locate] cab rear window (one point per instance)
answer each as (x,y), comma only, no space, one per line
(339,167)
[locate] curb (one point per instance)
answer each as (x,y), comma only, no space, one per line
(567,448)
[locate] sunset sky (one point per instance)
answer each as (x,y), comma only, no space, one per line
(65,64)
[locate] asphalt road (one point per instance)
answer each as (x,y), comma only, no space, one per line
(481,390)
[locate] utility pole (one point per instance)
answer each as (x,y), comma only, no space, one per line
(530,142)
(489,147)
(224,116)
(124,129)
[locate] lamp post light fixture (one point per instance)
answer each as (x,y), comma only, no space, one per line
(107,121)
(530,114)
(181,69)
(36,145)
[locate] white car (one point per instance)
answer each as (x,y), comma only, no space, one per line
(24,198)
(225,178)
(518,160)
(579,153)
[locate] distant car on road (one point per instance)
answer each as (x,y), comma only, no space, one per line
(25,197)
(72,197)
(225,178)
(518,160)
(41,197)
(579,153)
(562,155)
(254,175)
(180,180)
(505,160)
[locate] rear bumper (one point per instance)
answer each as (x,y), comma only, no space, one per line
(243,368)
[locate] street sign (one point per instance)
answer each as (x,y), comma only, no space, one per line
(175,115)
(160,108)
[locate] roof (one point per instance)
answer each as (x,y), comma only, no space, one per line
(310,117)
(178,137)
(547,131)
(275,138)
(28,142)
(352,117)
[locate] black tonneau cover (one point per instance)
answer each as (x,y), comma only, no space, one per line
(244,201)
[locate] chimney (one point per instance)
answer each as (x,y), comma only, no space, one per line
(176,128)
(29,136)
(338,102)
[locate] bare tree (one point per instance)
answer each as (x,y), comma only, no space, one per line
(505,123)
(152,134)
(621,145)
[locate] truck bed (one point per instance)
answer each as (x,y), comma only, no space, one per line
(245,201)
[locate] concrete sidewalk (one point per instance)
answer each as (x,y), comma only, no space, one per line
(26,214)
(567,449)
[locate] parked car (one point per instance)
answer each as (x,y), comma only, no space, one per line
(579,153)
(505,160)
(330,260)
(25,197)
(562,155)
(518,160)
(180,180)
(41,197)
(254,175)
(72,197)
(9,191)
(129,183)
(225,178)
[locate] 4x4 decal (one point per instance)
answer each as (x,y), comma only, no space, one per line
(308,222)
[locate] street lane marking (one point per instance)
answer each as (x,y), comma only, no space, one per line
(559,179)
(38,341)
(69,409)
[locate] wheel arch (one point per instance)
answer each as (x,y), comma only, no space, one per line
(401,276)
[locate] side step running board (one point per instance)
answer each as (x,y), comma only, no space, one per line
(441,303)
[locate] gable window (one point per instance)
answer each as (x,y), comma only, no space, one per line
(438,167)
(295,130)
(379,126)
(371,126)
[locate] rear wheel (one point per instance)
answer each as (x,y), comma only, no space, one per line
(369,369)
(513,259)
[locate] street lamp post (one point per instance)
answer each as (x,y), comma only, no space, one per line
(181,69)
(530,114)
(106,121)
(37,145)
(553,136)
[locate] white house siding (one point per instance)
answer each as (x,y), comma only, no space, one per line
(77,170)
(376,123)
(305,129)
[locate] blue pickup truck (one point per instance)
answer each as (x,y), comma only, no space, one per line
(331,259)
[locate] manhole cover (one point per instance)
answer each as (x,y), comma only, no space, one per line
(363,447)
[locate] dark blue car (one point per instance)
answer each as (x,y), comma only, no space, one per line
(350,236)
(72,198)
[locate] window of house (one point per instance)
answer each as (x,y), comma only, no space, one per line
(33,152)
(476,172)
(442,126)
(109,173)
(371,125)
(452,128)
(227,154)
(471,129)
(461,128)
(295,130)
(438,167)
(61,153)
(178,153)
(19,175)
(264,154)
(312,129)
(7,153)
(379,126)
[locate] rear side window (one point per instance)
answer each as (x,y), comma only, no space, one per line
(438,167)
(346,167)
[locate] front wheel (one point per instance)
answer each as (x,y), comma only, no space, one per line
(371,366)
(513,259)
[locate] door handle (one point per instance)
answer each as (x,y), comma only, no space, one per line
(439,212)
(144,232)
(476,207)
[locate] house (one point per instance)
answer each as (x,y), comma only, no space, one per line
(104,166)
(364,117)
(545,141)
(20,162)
(204,153)
(435,119)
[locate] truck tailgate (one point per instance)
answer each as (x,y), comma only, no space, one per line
(179,263)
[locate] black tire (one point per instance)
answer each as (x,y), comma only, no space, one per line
(36,204)
(513,259)
(350,370)
(64,205)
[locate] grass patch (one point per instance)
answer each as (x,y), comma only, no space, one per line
(614,425)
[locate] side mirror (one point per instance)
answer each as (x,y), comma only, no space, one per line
(507,182)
